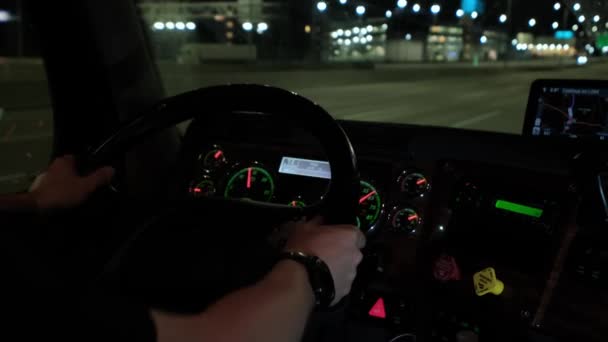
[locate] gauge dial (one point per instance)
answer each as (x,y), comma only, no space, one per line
(297,204)
(203,188)
(370,207)
(214,159)
(413,184)
(253,182)
(405,220)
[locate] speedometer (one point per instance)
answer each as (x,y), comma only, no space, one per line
(253,183)
(370,207)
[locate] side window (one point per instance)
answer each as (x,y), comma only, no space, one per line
(26,121)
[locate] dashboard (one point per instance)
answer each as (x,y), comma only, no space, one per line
(471,236)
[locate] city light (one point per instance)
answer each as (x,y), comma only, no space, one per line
(262,27)
(343,2)
(576,7)
(483,39)
(321,6)
(474,15)
(581,19)
(460,13)
(574,27)
(159,26)
(555,25)
(347,42)
(348,33)
(334,35)
(191,26)
(360,10)
(557,6)
(169,25)
(566,47)
(180,25)
(340,41)
(408,36)
(308,29)
(416,8)
(363,31)
(514,42)
(582,60)
(607,25)
(247,26)
(596,19)
(356,40)
(594,29)
(388,14)
(369,37)
(401,3)
(356,30)
(6,16)
(502,18)
(435,9)
(532,22)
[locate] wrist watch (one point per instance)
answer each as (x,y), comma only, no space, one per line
(319,276)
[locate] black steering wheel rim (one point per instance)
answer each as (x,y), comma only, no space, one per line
(340,202)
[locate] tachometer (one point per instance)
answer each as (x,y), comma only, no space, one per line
(253,182)
(214,159)
(370,207)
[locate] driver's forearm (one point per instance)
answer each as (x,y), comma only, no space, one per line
(274,310)
(23,202)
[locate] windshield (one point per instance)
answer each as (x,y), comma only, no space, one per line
(452,63)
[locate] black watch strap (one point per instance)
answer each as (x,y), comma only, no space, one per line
(319,276)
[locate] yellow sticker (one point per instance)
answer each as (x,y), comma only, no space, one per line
(486,282)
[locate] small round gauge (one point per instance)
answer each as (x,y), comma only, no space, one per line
(405,220)
(203,188)
(253,182)
(297,204)
(413,184)
(370,207)
(214,159)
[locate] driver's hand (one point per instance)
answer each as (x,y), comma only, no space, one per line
(60,187)
(338,246)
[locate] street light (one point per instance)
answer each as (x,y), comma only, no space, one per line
(555,25)
(247,26)
(180,25)
(502,18)
(416,8)
(574,27)
(402,3)
(576,7)
(514,42)
(343,2)
(159,26)
(460,13)
(262,27)
(360,10)
(483,39)
(594,29)
(170,25)
(474,15)
(596,18)
(532,22)
(557,6)
(435,9)
(321,6)
(408,36)
(191,26)
(581,19)
(388,14)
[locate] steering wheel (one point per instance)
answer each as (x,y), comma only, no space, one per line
(181,220)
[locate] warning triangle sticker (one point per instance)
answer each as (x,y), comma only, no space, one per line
(378,309)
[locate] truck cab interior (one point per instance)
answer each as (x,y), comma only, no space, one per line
(472,235)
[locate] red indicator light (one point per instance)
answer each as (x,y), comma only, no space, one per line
(378,310)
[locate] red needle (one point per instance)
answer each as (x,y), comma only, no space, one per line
(218,154)
(249,171)
(293,204)
(412,218)
(366,197)
(421,181)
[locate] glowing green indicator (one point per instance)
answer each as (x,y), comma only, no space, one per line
(519,208)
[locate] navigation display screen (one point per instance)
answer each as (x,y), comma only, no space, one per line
(305,167)
(572,111)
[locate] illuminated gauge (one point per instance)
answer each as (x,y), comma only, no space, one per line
(370,207)
(203,188)
(214,159)
(297,204)
(413,184)
(405,220)
(253,182)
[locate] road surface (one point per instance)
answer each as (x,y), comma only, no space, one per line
(486,98)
